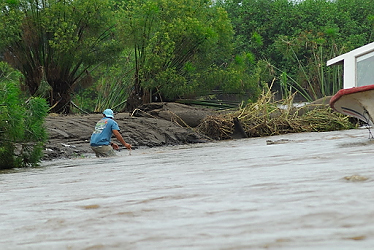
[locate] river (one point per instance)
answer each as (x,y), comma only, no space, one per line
(299,191)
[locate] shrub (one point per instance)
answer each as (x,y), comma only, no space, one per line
(22,134)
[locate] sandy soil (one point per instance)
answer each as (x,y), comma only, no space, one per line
(152,125)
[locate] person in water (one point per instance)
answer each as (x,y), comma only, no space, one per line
(101,138)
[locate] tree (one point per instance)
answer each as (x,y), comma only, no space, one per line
(177,45)
(296,38)
(22,133)
(57,42)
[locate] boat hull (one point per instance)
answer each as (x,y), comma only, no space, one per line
(357,102)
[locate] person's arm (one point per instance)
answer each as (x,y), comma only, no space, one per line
(120,138)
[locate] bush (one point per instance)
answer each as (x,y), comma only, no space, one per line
(22,134)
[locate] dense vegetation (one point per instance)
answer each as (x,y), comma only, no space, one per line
(109,53)
(22,133)
(54,44)
(297,38)
(87,55)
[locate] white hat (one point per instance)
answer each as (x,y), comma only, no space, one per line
(108,113)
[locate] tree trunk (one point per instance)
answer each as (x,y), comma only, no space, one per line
(134,100)
(60,98)
(61,103)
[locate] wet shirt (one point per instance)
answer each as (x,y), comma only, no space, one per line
(103,132)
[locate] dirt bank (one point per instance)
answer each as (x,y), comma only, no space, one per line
(152,125)
(155,124)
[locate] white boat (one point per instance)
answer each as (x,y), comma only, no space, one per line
(356,99)
(357,102)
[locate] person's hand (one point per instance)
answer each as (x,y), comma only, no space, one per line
(115,146)
(128,146)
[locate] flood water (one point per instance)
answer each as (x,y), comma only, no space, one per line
(305,191)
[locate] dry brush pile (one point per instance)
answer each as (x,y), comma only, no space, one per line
(267,117)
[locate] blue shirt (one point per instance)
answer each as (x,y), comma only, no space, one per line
(103,132)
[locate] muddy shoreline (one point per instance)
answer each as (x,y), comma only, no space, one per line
(151,125)
(155,125)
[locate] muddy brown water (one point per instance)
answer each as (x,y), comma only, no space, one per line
(295,191)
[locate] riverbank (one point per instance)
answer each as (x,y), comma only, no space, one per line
(153,125)
(163,124)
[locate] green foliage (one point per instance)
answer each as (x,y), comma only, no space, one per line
(243,76)
(110,89)
(57,42)
(107,92)
(297,38)
(311,78)
(22,134)
(181,48)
